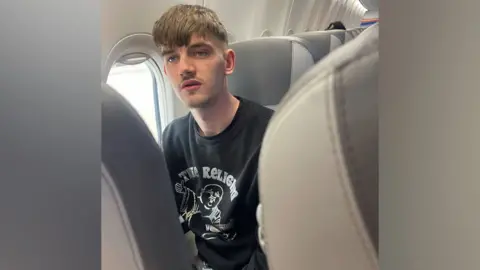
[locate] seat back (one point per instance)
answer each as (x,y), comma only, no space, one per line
(318,168)
(321,43)
(358,31)
(349,35)
(266,67)
(140,227)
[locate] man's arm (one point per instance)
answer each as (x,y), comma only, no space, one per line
(258,261)
(172,158)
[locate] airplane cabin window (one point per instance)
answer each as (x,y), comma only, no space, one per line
(137,83)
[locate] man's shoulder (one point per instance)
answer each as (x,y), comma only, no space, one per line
(177,128)
(258,110)
(258,119)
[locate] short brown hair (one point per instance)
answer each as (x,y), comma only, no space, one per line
(177,25)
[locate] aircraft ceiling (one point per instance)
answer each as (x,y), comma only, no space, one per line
(370,4)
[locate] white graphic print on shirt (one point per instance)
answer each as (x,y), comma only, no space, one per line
(204,209)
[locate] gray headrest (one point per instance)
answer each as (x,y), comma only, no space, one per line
(350,34)
(139,220)
(266,67)
(321,43)
(318,170)
(358,31)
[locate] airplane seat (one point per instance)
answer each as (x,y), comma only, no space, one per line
(358,30)
(349,35)
(318,168)
(140,226)
(322,43)
(266,67)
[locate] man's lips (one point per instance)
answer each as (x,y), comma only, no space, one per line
(190,84)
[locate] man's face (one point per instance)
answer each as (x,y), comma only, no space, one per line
(197,71)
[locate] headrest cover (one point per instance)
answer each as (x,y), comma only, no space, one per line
(350,34)
(318,172)
(266,67)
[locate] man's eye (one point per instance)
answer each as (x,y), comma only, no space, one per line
(201,53)
(171,59)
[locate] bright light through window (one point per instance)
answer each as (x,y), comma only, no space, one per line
(137,84)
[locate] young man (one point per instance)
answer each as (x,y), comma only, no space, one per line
(212,153)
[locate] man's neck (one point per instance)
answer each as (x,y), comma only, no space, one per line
(216,118)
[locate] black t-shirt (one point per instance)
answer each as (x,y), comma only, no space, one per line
(215,185)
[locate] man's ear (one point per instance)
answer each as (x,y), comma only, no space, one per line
(164,69)
(229,61)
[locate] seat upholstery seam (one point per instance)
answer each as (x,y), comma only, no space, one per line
(347,187)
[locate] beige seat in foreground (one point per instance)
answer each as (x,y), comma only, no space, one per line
(319,165)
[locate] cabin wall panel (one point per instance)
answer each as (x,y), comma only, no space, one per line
(123,17)
(298,20)
(235,15)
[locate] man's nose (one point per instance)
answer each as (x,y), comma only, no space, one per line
(187,68)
